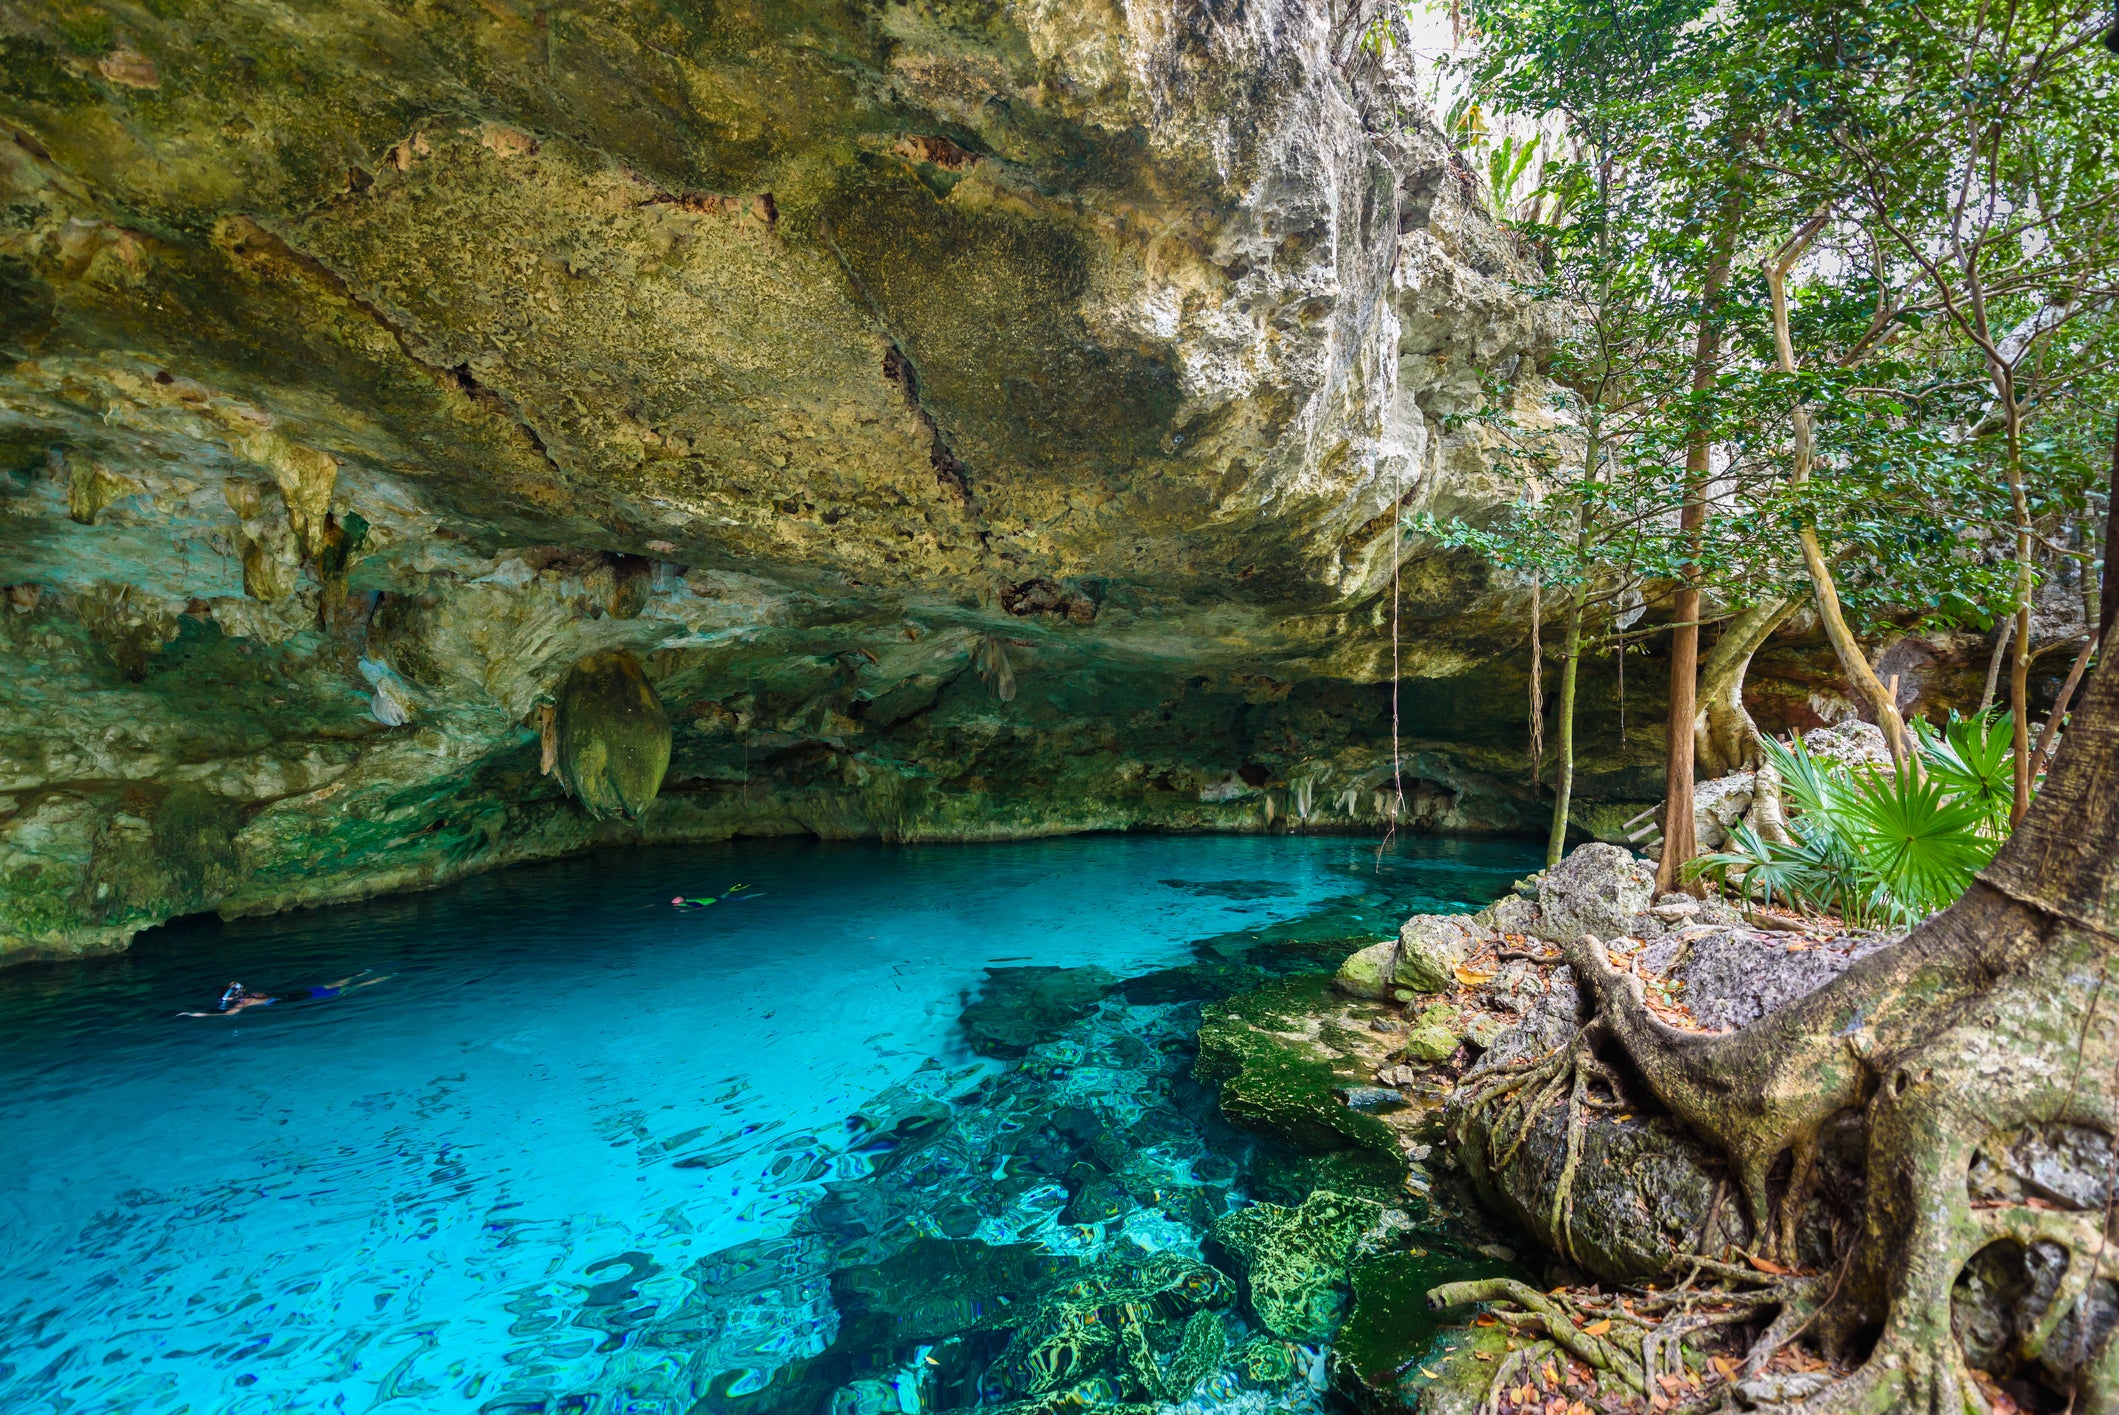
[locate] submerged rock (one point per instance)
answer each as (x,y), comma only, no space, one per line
(1295,1261)
(1019,1007)
(1378,1357)
(1258,1047)
(614,737)
(1131,1330)
(937,1287)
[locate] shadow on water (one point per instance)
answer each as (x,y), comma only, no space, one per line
(887,1129)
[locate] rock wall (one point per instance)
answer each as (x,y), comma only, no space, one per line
(975,419)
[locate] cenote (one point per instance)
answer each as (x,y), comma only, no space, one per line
(886,1129)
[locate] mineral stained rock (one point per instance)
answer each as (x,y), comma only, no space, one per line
(975,420)
(614,737)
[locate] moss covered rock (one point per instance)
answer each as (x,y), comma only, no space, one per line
(1430,946)
(1369,972)
(614,737)
(1434,1034)
(1376,1360)
(1261,1047)
(1295,1260)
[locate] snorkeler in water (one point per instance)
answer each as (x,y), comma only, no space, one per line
(234,1000)
(730,895)
(347,985)
(238,997)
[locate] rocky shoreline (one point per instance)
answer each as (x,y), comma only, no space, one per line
(1458,1053)
(1376,1063)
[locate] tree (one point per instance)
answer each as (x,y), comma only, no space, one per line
(1986,1020)
(1969,144)
(1977,150)
(1646,226)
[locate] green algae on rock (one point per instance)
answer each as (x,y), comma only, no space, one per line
(1391,1331)
(1108,1332)
(1255,1046)
(1433,1035)
(1294,1261)
(613,736)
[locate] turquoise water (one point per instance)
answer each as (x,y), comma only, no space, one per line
(579,1151)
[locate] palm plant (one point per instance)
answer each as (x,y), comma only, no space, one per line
(1974,759)
(1879,847)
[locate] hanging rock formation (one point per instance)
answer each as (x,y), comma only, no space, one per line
(613,736)
(975,421)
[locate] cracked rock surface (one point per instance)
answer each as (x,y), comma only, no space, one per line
(972,420)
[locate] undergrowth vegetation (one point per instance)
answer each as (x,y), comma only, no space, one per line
(1878,847)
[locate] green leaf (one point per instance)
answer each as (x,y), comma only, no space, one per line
(1917,843)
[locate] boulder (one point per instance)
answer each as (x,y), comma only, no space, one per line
(1732,976)
(1430,946)
(1643,1192)
(1852,743)
(1510,914)
(1433,1035)
(1717,807)
(1368,973)
(1422,959)
(1644,1188)
(1596,890)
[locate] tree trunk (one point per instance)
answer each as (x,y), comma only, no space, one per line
(2020,665)
(1883,704)
(2108,583)
(1725,739)
(1994,664)
(1852,660)
(1564,773)
(1678,843)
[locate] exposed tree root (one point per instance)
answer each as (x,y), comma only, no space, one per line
(1517,1098)
(1510,1366)
(1988,1024)
(1957,1035)
(1637,1340)
(1598,1353)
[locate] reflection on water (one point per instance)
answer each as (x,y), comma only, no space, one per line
(830,1142)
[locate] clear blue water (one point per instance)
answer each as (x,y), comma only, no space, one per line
(582,1152)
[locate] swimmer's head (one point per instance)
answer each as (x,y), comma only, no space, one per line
(679,899)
